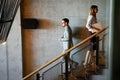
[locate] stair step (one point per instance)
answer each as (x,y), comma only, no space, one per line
(91,71)
(98,77)
(71,77)
(105,71)
(102,76)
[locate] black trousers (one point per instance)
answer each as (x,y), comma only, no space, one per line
(92,41)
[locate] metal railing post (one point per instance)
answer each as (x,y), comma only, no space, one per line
(97,50)
(37,76)
(66,67)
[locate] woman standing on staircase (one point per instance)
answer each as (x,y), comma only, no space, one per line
(90,21)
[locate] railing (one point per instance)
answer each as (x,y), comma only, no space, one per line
(61,55)
(60,63)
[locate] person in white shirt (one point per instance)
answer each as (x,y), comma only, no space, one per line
(90,21)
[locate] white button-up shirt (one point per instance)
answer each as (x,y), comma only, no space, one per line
(90,21)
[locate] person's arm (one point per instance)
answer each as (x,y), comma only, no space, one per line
(89,25)
(65,37)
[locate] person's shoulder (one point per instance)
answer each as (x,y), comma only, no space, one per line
(90,16)
(68,28)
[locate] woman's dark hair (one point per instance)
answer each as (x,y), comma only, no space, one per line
(66,20)
(94,6)
(92,9)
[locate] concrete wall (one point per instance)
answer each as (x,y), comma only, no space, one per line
(11,53)
(41,45)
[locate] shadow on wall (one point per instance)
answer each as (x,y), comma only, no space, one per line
(46,24)
(80,32)
(32,23)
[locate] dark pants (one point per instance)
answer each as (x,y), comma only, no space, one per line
(92,41)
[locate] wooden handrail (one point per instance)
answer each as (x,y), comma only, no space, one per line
(62,54)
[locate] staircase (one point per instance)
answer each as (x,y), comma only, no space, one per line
(103,70)
(91,72)
(94,71)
